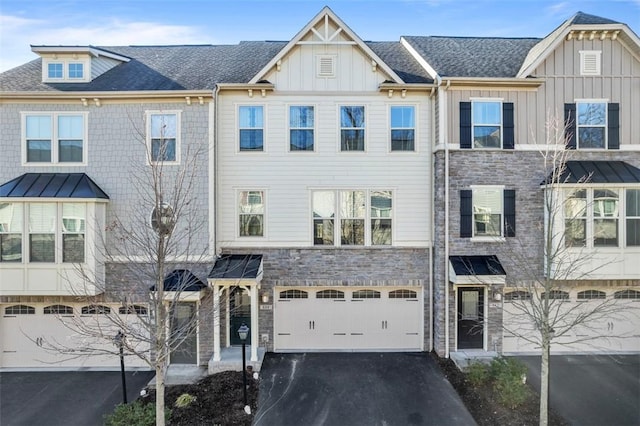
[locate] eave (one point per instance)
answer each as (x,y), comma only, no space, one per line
(83,97)
(492,82)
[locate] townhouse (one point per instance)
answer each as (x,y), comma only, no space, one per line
(352,195)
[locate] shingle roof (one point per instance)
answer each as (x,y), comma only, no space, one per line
(52,185)
(400,60)
(473,56)
(582,18)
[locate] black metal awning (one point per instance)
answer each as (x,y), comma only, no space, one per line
(596,172)
(475,270)
(182,280)
(237,266)
(52,185)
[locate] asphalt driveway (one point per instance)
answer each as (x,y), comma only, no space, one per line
(64,398)
(356,389)
(592,389)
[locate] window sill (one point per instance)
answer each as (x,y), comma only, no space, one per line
(488,239)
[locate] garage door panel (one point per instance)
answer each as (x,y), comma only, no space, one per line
(363,323)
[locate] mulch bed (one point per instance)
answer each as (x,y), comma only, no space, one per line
(219,401)
(483,405)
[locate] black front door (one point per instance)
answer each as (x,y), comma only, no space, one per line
(183,321)
(240,313)
(471,318)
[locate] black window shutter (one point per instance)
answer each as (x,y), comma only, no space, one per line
(465,125)
(613,126)
(570,125)
(508,141)
(466,213)
(509,212)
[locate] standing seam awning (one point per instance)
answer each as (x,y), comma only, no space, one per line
(476,270)
(237,266)
(52,185)
(596,172)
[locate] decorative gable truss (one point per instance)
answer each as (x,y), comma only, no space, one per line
(327,32)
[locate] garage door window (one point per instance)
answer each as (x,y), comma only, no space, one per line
(556,295)
(95,309)
(403,294)
(58,310)
(293,294)
(591,294)
(627,294)
(517,295)
(366,294)
(19,310)
(330,294)
(132,309)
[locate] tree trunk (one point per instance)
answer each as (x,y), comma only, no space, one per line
(544,382)
(159,395)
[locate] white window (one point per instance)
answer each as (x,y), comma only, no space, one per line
(54,137)
(301,128)
(357,217)
(251,213)
(486,119)
(251,128)
(352,128)
(55,232)
(487,211)
(163,136)
(590,62)
(403,128)
(591,124)
(592,217)
(632,202)
(66,69)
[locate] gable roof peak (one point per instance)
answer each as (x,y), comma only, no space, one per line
(581,18)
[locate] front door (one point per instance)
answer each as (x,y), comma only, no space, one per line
(471,318)
(183,327)
(240,313)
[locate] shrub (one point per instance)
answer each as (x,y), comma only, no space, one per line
(477,374)
(185,400)
(134,414)
(507,377)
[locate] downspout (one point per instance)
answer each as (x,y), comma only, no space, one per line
(433,221)
(445,138)
(216,92)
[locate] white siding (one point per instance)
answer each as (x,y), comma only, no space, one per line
(288,177)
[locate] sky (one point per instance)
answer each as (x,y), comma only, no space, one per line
(161,22)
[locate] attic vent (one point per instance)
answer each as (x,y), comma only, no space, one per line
(326,66)
(590,62)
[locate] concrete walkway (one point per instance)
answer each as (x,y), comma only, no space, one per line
(356,389)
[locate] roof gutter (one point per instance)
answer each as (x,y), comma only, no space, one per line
(494,82)
(108,95)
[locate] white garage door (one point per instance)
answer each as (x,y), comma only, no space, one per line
(29,331)
(618,332)
(357,319)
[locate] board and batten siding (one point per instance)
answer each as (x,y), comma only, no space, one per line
(289,177)
(619,82)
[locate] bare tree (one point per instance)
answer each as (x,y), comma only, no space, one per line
(156,239)
(538,310)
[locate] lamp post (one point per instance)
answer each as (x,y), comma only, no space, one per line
(243,332)
(119,339)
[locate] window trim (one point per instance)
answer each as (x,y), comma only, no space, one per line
(58,231)
(289,129)
(264,214)
(499,101)
(337,217)
(55,151)
(264,129)
(148,137)
(365,113)
(604,126)
(66,61)
(414,128)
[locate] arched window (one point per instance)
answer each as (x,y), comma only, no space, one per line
(517,295)
(627,294)
(556,295)
(591,294)
(366,294)
(330,294)
(132,309)
(58,310)
(293,294)
(95,309)
(403,294)
(19,310)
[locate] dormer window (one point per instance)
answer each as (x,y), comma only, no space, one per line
(76,70)
(54,70)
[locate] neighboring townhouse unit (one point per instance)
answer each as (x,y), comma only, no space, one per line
(352,195)
(495,97)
